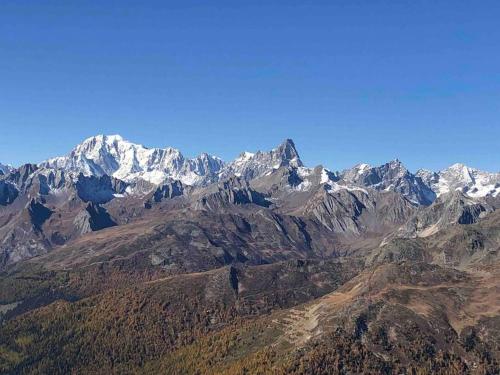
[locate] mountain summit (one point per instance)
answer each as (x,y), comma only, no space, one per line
(471,181)
(251,165)
(112,155)
(391,176)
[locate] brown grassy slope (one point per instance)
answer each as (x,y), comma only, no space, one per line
(130,326)
(393,318)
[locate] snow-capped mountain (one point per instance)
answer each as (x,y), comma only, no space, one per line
(127,161)
(113,156)
(392,176)
(251,165)
(470,181)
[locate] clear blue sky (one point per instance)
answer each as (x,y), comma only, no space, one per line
(349,81)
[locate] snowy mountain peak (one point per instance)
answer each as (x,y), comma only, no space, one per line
(472,182)
(109,139)
(362,167)
(391,176)
(245,155)
(460,171)
(458,166)
(114,156)
(396,165)
(250,165)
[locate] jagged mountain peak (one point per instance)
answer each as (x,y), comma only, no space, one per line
(288,153)
(288,142)
(364,169)
(249,165)
(391,176)
(396,163)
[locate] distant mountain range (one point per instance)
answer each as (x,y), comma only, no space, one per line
(116,157)
(95,185)
(113,156)
(117,258)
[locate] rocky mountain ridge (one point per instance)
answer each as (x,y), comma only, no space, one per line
(135,164)
(107,181)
